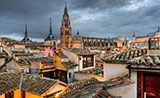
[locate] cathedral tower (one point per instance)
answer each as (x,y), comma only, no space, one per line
(26,38)
(65,30)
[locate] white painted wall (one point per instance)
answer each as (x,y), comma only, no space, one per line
(124,91)
(114,70)
(81,63)
(71,56)
(72,75)
(77,59)
(134,78)
(127,91)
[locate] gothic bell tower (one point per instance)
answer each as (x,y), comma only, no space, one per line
(65,30)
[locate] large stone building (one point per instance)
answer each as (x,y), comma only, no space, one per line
(65,30)
(78,41)
(117,43)
(142,41)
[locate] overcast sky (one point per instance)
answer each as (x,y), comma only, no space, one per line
(93,18)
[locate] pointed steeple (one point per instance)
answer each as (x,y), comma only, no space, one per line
(77,32)
(158,29)
(26,38)
(50,29)
(134,35)
(50,36)
(26,31)
(65,9)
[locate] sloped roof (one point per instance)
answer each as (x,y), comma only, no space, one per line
(36,84)
(97,70)
(125,56)
(80,51)
(27,61)
(69,64)
(152,60)
(31,83)
(86,89)
(61,55)
(9,81)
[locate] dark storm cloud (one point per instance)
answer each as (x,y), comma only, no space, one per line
(98,18)
(100,4)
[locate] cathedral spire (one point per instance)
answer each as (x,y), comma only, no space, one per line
(50,29)
(26,31)
(50,36)
(134,35)
(26,38)
(65,9)
(158,29)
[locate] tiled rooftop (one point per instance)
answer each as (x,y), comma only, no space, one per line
(31,83)
(125,56)
(82,89)
(69,64)
(89,88)
(61,55)
(80,51)
(36,84)
(27,61)
(146,60)
(9,81)
(97,70)
(116,81)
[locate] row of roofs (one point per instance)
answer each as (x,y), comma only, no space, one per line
(80,51)
(95,89)
(27,61)
(27,82)
(136,58)
(125,56)
(95,71)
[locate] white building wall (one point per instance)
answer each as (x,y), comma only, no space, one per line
(77,59)
(114,70)
(72,75)
(126,91)
(134,78)
(71,56)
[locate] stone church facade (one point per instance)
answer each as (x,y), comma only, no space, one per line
(78,41)
(118,43)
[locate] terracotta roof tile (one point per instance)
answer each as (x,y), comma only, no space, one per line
(123,57)
(69,64)
(147,60)
(97,70)
(80,51)
(31,83)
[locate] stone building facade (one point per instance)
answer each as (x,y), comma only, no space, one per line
(118,43)
(142,41)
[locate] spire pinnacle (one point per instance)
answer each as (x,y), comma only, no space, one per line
(65,9)
(158,29)
(77,32)
(26,31)
(50,29)
(134,35)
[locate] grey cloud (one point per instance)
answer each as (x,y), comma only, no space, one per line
(113,22)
